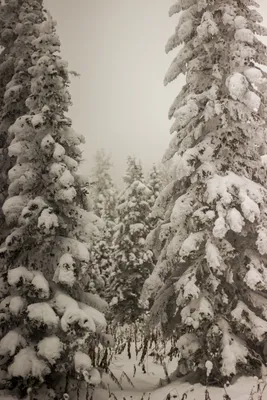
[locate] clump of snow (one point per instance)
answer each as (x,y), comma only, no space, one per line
(244,35)
(235,220)
(250,208)
(26,364)
(66,195)
(47,220)
(185,163)
(254,75)
(66,179)
(56,170)
(95,301)
(240,22)
(40,286)
(234,349)
(61,301)
(213,256)
(43,314)
(77,249)
(82,362)
(151,285)
(95,315)
(188,344)
(221,187)
(76,316)
(47,142)
(237,86)
(209,367)
(185,113)
(185,30)
(65,272)
(186,288)
(17,305)
(11,342)
(207,27)
(19,275)
(228,17)
(253,278)
(12,208)
(182,208)
(252,101)
(94,377)
(37,121)
(254,324)
(51,349)
(12,91)
(70,137)
(220,228)
(59,152)
(196,311)
(192,243)
(135,228)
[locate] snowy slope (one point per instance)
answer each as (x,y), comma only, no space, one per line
(147,385)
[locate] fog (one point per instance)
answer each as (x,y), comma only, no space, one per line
(119,102)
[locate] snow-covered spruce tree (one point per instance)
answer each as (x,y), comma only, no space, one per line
(132,261)
(209,285)
(154,183)
(104,194)
(15,59)
(134,171)
(49,326)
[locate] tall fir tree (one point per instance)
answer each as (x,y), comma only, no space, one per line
(17,32)
(104,194)
(154,182)
(209,285)
(132,261)
(134,171)
(49,325)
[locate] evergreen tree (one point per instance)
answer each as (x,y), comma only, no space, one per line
(104,195)
(154,183)
(209,285)
(104,192)
(49,325)
(132,261)
(134,171)
(17,31)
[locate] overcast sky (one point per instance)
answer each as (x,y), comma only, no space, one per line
(119,102)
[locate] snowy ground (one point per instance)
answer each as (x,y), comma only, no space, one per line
(147,385)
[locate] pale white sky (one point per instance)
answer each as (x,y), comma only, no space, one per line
(119,102)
